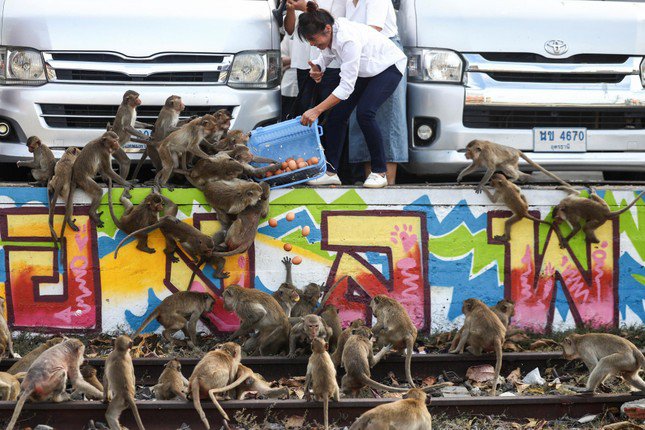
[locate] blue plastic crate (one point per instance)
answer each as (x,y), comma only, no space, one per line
(290,139)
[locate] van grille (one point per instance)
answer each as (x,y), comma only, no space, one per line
(528,57)
(577,78)
(97,116)
(106,67)
(519,118)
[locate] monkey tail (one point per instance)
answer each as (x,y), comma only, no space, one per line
(20,375)
(16,412)
(230,386)
(408,363)
(147,321)
(543,170)
(218,406)
(239,250)
(626,208)
(326,411)
(148,229)
(69,204)
(328,294)
(372,383)
(114,218)
(198,404)
(52,207)
(192,276)
(531,217)
(640,358)
(135,412)
(498,364)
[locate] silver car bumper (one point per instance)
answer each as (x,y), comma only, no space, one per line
(607,149)
(21,106)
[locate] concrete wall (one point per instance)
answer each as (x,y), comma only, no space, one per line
(431,248)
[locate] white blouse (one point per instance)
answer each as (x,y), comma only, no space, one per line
(362,52)
(378,13)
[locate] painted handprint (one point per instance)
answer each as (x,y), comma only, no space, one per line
(405,235)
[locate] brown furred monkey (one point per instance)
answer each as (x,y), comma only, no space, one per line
(593,210)
(482,330)
(329,314)
(61,183)
(93,159)
(211,143)
(6,342)
(321,377)
(247,380)
(142,215)
(495,157)
(216,369)
(23,364)
(124,125)
(42,165)
(605,354)
(304,332)
(394,327)
(47,377)
(219,168)
(287,296)
(165,124)
(504,309)
(10,386)
(342,339)
(88,372)
(118,383)
(181,141)
(180,311)
(259,311)
(410,413)
(512,197)
(171,383)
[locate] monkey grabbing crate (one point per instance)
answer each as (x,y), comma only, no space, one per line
(290,139)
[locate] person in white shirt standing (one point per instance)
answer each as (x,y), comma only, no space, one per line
(380,15)
(371,67)
(289,83)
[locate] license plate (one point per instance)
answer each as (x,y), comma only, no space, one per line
(136,145)
(557,139)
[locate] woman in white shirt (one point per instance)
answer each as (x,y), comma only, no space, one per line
(371,67)
(380,15)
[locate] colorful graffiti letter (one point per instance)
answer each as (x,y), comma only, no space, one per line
(49,289)
(591,293)
(380,252)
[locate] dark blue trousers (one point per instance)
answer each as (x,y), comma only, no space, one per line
(369,94)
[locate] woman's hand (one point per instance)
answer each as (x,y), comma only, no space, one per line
(310,116)
(300,5)
(315,73)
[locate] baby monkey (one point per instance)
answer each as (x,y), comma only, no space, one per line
(410,413)
(171,383)
(593,210)
(604,355)
(511,195)
(42,166)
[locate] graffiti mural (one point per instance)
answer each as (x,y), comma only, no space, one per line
(429,248)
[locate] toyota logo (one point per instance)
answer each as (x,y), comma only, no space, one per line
(556,47)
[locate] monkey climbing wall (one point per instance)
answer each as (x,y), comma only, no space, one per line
(430,248)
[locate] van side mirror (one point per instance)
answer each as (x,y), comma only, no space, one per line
(396,4)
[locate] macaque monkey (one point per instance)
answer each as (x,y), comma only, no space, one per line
(482,330)
(181,141)
(303,333)
(211,143)
(228,141)
(215,370)
(246,380)
(604,355)
(321,377)
(23,364)
(495,157)
(142,215)
(60,184)
(6,342)
(287,296)
(394,327)
(410,413)
(88,372)
(118,383)
(309,297)
(93,159)
(593,210)
(259,311)
(232,197)
(504,309)
(171,383)
(124,125)
(42,166)
(180,311)
(342,339)
(329,315)
(219,168)
(197,244)
(512,197)
(10,386)
(243,155)
(241,233)
(47,377)
(165,124)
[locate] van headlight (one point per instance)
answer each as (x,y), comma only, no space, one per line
(23,66)
(434,65)
(255,69)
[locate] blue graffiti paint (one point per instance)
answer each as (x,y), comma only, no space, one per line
(107,244)
(456,274)
(461,214)
(135,321)
(284,227)
(631,292)
(258,285)
(3,269)
(380,262)
(23,195)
